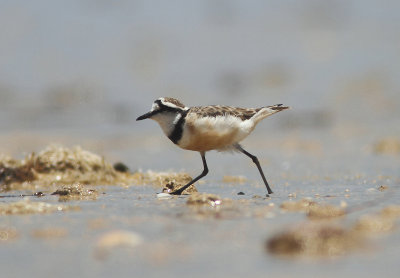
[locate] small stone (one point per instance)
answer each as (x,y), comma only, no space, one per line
(164,195)
(121,167)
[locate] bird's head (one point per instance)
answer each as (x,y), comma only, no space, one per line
(167,112)
(163,107)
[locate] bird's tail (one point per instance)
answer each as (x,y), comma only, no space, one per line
(268,111)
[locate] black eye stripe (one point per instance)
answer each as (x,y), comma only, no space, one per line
(159,103)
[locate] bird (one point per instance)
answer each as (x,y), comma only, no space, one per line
(206,128)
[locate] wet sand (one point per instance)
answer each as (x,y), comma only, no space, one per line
(104,222)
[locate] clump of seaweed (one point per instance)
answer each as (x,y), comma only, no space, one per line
(28,207)
(75,191)
(72,165)
(314,239)
(59,165)
(12,170)
(59,158)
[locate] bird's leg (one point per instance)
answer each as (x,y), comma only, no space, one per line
(205,172)
(255,160)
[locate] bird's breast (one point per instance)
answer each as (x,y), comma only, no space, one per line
(211,133)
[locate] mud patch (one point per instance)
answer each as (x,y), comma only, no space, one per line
(314,239)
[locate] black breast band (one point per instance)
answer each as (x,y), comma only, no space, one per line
(177,132)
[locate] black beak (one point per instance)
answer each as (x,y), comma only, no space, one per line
(145,116)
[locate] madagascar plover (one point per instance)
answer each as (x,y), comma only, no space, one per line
(207,128)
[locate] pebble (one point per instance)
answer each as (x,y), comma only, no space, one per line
(164,195)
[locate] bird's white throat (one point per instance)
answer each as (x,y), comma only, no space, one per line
(167,121)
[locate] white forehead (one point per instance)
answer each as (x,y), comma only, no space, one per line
(154,106)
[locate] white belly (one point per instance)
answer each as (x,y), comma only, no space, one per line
(213,133)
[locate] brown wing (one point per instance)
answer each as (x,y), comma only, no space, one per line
(219,110)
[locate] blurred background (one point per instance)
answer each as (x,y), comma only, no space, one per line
(87,68)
